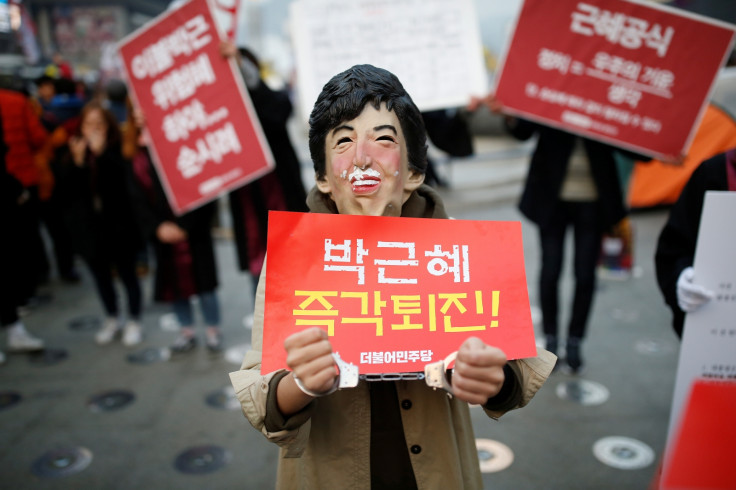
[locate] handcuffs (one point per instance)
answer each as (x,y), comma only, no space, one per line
(347,377)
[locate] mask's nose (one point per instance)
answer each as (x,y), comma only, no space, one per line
(362,158)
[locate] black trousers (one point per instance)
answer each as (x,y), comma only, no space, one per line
(125,265)
(587,235)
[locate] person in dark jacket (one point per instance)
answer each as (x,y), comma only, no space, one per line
(675,251)
(183,246)
(91,188)
(572,181)
(13,195)
(280,190)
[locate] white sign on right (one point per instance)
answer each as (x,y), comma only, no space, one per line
(708,348)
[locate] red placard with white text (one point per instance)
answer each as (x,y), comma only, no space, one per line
(631,74)
(394,294)
(205,136)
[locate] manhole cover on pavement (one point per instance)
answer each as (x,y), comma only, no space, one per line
(9,399)
(85,323)
(236,353)
(224,399)
(110,401)
(623,453)
(653,347)
(202,459)
(493,455)
(149,356)
(47,357)
(583,392)
(63,461)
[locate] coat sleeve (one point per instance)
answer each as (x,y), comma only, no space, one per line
(531,373)
(676,244)
(256,392)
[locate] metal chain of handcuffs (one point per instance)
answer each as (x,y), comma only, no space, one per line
(348,377)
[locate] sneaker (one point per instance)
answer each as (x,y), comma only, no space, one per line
(132,334)
(183,344)
(214,342)
(109,330)
(22,341)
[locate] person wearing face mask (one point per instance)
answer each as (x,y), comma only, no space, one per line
(93,185)
(368,145)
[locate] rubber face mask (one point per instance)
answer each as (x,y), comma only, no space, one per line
(366,165)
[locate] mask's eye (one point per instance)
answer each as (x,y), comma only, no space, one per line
(386,138)
(342,140)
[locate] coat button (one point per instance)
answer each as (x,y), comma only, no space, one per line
(416,449)
(406,404)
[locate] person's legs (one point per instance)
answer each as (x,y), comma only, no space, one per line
(210,306)
(126,265)
(52,217)
(552,241)
(587,251)
(186,341)
(102,276)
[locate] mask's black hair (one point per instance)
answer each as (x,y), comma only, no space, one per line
(345,96)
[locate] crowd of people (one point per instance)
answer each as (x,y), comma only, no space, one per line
(77,162)
(81,165)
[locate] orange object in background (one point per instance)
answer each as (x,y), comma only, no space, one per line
(657,183)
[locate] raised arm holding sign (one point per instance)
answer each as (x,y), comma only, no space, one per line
(368,145)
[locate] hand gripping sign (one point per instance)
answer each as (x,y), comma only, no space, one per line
(395,294)
(205,136)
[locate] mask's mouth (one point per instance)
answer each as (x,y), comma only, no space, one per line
(364,180)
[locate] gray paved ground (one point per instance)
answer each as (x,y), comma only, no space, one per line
(630,351)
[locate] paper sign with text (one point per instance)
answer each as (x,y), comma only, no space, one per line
(630,74)
(433,46)
(394,294)
(205,136)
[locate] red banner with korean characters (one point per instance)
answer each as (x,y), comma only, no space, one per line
(635,75)
(205,136)
(392,293)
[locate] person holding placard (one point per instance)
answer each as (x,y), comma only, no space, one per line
(368,144)
(572,182)
(676,245)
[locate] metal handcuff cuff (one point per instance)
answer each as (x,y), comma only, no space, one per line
(348,377)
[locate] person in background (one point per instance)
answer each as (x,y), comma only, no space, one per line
(183,246)
(91,186)
(675,251)
(61,117)
(13,195)
(280,190)
(24,136)
(376,434)
(572,182)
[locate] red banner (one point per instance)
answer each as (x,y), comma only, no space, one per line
(634,75)
(394,294)
(206,138)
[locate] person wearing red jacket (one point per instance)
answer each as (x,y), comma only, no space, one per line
(24,135)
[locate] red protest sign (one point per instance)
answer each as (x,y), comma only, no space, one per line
(702,454)
(206,138)
(634,75)
(394,294)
